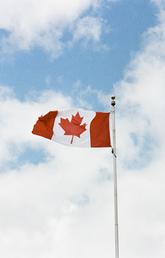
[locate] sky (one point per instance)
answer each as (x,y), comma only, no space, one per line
(57,201)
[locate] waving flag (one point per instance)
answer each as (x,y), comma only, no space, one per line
(79,128)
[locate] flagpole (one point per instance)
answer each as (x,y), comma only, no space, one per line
(113,104)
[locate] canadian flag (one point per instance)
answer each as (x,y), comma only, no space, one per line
(79,128)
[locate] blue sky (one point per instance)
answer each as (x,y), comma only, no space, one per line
(124,25)
(57,201)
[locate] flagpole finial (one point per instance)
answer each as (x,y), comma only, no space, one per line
(113,102)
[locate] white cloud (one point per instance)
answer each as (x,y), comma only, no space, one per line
(141,94)
(42,204)
(89,28)
(30,23)
(141,143)
(21,115)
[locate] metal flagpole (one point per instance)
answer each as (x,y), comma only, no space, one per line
(113,103)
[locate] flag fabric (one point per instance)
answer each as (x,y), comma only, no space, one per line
(79,128)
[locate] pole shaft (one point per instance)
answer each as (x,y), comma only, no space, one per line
(115,179)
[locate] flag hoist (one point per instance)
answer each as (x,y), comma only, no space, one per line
(83,128)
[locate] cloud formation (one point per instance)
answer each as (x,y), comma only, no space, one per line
(89,28)
(28,24)
(44,203)
(63,205)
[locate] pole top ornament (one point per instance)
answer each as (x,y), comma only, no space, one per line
(113,102)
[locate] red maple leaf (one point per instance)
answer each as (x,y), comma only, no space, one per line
(73,127)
